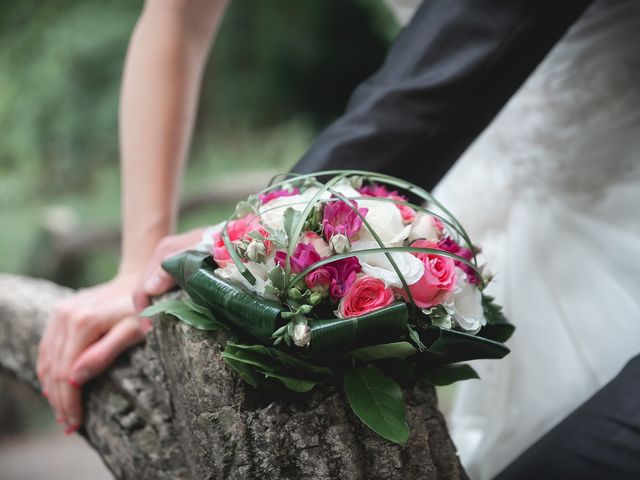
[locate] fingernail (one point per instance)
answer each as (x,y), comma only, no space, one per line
(75,384)
(153,284)
(45,394)
(79,378)
(69,430)
(59,420)
(146,325)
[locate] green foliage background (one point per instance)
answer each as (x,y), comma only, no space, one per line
(279,71)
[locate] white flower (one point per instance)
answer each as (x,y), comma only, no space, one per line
(272,213)
(423,227)
(386,220)
(340,243)
(301,335)
(377,265)
(467,305)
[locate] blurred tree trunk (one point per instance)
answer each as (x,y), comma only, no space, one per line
(170,409)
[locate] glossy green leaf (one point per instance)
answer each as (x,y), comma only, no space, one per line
(299,385)
(441,375)
(245,371)
(378,402)
(341,334)
(498,327)
(383,351)
(284,360)
(229,303)
(257,363)
(186,312)
(451,346)
(290,219)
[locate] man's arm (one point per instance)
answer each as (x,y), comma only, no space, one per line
(448,74)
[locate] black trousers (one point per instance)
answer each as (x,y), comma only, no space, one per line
(600,440)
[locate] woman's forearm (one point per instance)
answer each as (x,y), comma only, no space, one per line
(161,82)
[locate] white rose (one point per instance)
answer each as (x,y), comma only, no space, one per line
(301,335)
(377,265)
(423,227)
(386,220)
(467,305)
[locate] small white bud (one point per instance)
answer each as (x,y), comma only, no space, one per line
(301,335)
(256,251)
(340,243)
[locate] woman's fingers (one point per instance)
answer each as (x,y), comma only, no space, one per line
(156,281)
(96,358)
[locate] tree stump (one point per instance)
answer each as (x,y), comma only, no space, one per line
(171,409)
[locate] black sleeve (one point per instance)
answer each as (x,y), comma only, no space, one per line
(447,75)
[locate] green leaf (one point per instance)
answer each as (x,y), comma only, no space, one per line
(498,327)
(441,375)
(244,370)
(160,307)
(299,385)
(290,219)
(377,401)
(278,277)
(382,351)
(244,208)
(229,303)
(285,360)
(256,361)
(452,346)
(187,312)
(338,335)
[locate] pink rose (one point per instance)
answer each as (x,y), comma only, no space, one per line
(408,214)
(303,256)
(340,218)
(439,277)
(365,295)
(238,230)
(272,195)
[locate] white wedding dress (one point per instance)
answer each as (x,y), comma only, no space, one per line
(551,191)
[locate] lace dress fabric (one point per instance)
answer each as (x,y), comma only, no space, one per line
(551,191)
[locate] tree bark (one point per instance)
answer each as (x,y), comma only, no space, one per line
(171,409)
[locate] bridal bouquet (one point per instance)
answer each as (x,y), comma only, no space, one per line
(338,279)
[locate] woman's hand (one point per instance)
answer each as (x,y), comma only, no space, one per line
(90,329)
(86,334)
(155,281)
